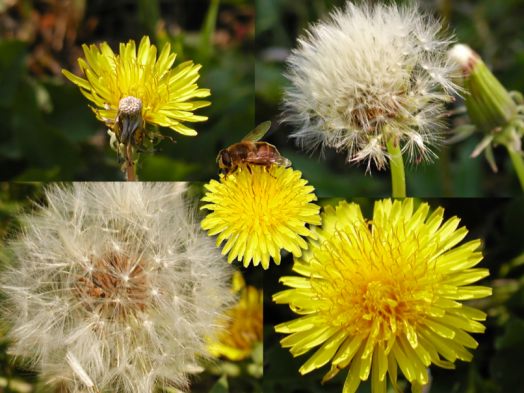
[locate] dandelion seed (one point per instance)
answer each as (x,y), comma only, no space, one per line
(93,317)
(374,296)
(367,75)
(259,211)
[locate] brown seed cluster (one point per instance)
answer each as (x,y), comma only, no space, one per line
(115,286)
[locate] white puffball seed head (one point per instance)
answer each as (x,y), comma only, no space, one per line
(369,74)
(93,310)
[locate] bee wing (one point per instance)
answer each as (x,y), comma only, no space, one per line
(283,161)
(258,132)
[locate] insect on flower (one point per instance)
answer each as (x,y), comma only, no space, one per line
(251,151)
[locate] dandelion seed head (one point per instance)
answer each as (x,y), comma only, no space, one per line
(130,105)
(89,294)
(363,75)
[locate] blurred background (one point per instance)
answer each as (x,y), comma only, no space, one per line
(48,131)
(497,362)
(220,374)
(492,28)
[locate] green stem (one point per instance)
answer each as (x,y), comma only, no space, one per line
(208,30)
(518,163)
(396,163)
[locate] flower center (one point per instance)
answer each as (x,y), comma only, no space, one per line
(129,119)
(377,301)
(114,286)
(130,106)
(374,111)
(382,286)
(245,328)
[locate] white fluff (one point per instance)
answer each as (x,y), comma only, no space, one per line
(461,54)
(79,370)
(115,289)
(368,74)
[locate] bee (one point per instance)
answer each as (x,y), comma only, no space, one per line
(250,151)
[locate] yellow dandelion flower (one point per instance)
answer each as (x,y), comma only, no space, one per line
(244,330)
(384,294)
(136,87)
(258,211)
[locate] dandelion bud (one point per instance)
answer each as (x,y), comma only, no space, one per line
(489,104)
(116,289)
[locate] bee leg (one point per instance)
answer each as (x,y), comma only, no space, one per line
(267,168)
(249,169)
(223,172)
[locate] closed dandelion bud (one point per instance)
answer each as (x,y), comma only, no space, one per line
(115,288)
(369,75)
(490,106)
(493,110)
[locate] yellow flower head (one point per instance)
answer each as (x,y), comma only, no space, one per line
(244,331)
(134,88)
(260,211)
(381,294)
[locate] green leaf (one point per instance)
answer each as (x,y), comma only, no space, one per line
(71,115)
(208,30)
(512,337)
(221,386)
(149,15)
(506,365)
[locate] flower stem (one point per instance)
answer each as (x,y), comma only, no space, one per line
(130,173)
(396,163)
(130,166)
(517,161)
